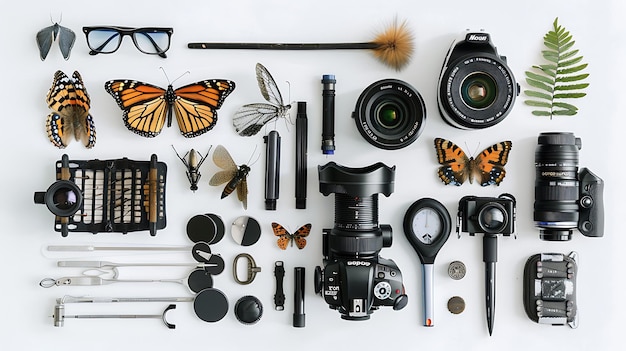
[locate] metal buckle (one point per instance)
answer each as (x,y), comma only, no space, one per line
(253,269)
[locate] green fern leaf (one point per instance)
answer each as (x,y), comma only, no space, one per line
(559,78)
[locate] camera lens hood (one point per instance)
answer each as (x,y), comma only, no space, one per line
(476,88)
(365,181)
(390,114)
(63,198)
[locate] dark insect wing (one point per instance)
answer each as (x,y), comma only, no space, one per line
(45,37)
(242,191)
(300,235)
(223,160)
(268,86)
(283,236)
(66,41)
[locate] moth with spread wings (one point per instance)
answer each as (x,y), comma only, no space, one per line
(284,237)
(69,102)
(146,107)
(456,167)
(250,118)
(235,176)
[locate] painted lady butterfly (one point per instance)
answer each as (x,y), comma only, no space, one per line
(284,237)
(69,102)
(456,167)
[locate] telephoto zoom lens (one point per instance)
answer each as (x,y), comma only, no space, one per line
(556,185)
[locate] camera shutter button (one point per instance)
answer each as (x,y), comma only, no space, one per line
(586,201)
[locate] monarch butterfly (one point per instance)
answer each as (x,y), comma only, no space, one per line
(146,106)
(69,102)
(250,118)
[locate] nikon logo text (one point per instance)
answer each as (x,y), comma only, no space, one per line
(477,37)
(359,263)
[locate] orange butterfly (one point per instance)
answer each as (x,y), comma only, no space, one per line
(69,102)
(456,167)
(147,106)
(284,237)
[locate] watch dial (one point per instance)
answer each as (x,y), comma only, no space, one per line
(427,225)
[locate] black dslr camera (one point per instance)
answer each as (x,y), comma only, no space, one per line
(564,197)
(487,215)
(476,88)
(355,280)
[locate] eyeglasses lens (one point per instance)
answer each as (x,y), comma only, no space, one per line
(152,42)
(104,40)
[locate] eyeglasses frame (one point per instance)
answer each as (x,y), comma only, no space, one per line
(130,31)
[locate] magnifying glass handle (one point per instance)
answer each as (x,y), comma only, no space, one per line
(428,275)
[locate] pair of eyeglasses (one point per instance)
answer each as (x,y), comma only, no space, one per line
(149,40)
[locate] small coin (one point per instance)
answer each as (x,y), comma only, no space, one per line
(456,304)
(456,270)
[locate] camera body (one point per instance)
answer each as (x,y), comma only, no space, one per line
(476,88)
(565,198)
(355,280)
(489,215)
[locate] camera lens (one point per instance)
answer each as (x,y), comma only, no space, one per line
(478,91)
(492,218)
(63,198)
(390,114)
(476,88)
(556,185)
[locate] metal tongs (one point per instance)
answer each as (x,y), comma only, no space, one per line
(104,273)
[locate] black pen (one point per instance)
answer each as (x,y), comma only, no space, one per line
(490,257)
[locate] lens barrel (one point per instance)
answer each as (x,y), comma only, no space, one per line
(390,114)
(556,208)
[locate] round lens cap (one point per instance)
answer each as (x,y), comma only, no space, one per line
(248,310)
(245,230)
(201,228)
(210,305)
(199,280)
(219,228)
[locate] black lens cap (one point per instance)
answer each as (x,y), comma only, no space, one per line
(245,230)
(248,310)
(199,280)
(207,228)
(210,305)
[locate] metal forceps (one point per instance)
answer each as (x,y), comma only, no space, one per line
(104,273)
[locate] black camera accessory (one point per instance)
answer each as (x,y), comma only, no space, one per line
(193,165)
(390,114)
(301,155)
(279,296)
(210,305)
(298,296)
(356,280)
(457,167)
(248,309)
(245,230)
(456,270)
(208,228)
(564,197)
(328,114)
(456,305)
(427,226)
(272,169)
(252,269)
(284,237)
(491,216)
(550,288)
(476,88)
(96,196)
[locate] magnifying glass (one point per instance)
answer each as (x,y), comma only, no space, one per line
(427,226)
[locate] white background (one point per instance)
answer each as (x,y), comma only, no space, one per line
(517,29)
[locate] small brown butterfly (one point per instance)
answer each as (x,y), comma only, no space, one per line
(284,237)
